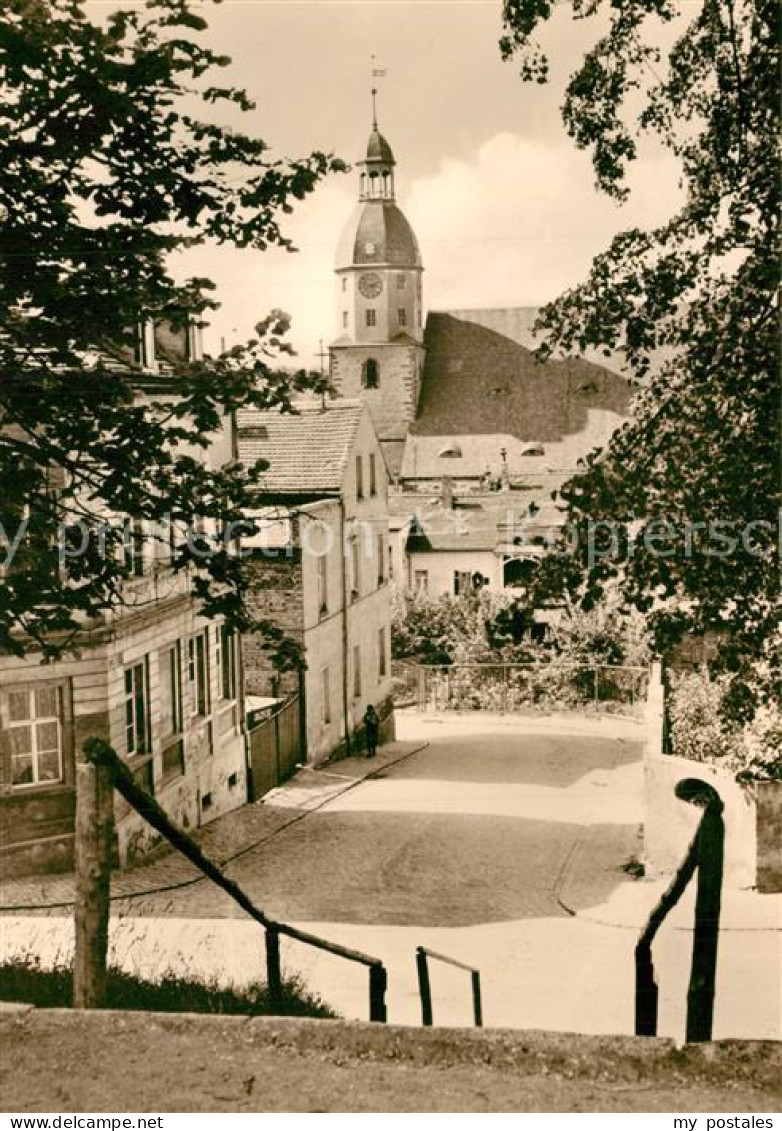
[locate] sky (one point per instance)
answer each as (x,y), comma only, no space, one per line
(501,201)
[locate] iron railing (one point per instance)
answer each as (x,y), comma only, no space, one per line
(422,956)
(505,688)
(705,855)
(101,754)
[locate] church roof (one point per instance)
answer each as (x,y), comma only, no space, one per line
(378,233)
(307,451)
(378,148)
(477,381)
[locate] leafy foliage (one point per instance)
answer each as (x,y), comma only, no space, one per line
(702,727)
(111,163)
(496,628)
(444,630)
(689,485)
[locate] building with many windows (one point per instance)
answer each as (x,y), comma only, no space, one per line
(318,567)
(152,677)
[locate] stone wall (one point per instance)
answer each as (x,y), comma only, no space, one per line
(275,593)
(392,405)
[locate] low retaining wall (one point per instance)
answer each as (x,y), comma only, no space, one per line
(753,812)
(670,824)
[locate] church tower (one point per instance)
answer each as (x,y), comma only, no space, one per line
(378,354)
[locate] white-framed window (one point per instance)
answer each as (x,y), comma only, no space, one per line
(402,316)
(344,283)
(344,319)
(171,689)
(372,473)
(382,654)
(133,540)
(32,721)
(462,582)
(172,755)
(421,580)
(400,282)
(138,723)
(198,673)
(356,671)
(325,684)
(371,316)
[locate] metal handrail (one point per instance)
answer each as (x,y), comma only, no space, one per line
(704,855)
(422,954)
(102,754)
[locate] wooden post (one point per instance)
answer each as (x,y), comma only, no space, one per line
(424,986)
(273,969)
(646,993)
(700,996)
(378,983)
(94,847)
(476,998)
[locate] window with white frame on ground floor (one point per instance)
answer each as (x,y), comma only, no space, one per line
(171,715)
(138,722)
(356,671)
(382,653)
(421,580)
(32,719)
(171,689)
(462,582)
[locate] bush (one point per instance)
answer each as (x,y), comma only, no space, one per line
(703,728)
(25,980)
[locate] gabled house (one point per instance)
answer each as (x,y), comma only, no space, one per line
(153,677)
(318,567)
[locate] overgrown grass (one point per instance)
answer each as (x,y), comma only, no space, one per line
(25,980)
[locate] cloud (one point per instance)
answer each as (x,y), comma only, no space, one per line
(522,222)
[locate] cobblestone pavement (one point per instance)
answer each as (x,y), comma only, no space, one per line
(223,839)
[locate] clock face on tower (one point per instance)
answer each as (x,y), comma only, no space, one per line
(370,284)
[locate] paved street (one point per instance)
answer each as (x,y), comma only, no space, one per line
(498,841)
(473,829)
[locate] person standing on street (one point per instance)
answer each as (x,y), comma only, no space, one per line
(371,730)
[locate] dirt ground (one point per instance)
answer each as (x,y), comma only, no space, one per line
(149,1063)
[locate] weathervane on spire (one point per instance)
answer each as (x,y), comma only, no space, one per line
(377,73)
